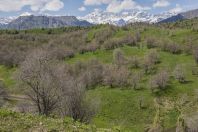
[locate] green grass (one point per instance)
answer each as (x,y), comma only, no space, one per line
(119,107)
(120,33)
(6,75)
(179,36)
(12,121)
(169,62)
(106,56)
(102,55)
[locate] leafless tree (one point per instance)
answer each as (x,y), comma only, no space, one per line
(173,48)
(104,34)
(12,54)
(114,43)
(138,36)
(196,54)
(188,48)
(3,94)
(148,66)
(53,88)
(159,81)
(151,43)
(150,60)
(135,80)
(153,56)
(134,62)
(179,73)
(61,53)
(39,76)
(73,102)
(88,48)
(118,57)
(130,40)
(92,73)
(115,76)
(194,70)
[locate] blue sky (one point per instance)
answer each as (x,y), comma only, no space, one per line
(83,7)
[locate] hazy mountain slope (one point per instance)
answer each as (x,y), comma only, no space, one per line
(5,20)
(182,16)
(29,22)
(173,19)
(190,14)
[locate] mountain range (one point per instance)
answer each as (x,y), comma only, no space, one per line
(181,16)
(28,21)
(102,17)
(31,21)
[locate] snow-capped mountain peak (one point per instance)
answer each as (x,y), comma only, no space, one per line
(6,20)
(102,17)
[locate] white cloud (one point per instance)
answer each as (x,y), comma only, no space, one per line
(161,3)
(53,5)
(35,5)
(82,8)
(97,2)
(177,9)
(118,6)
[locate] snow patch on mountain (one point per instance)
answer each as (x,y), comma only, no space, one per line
(26,14)
(103,17)
(6,20)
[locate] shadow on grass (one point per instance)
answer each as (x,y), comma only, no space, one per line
(187,82)
(165,91)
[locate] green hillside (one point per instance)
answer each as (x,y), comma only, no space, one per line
(134,101)
(12,121)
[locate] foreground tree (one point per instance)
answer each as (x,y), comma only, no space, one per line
(40,80)
(52,88)
(73,102)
